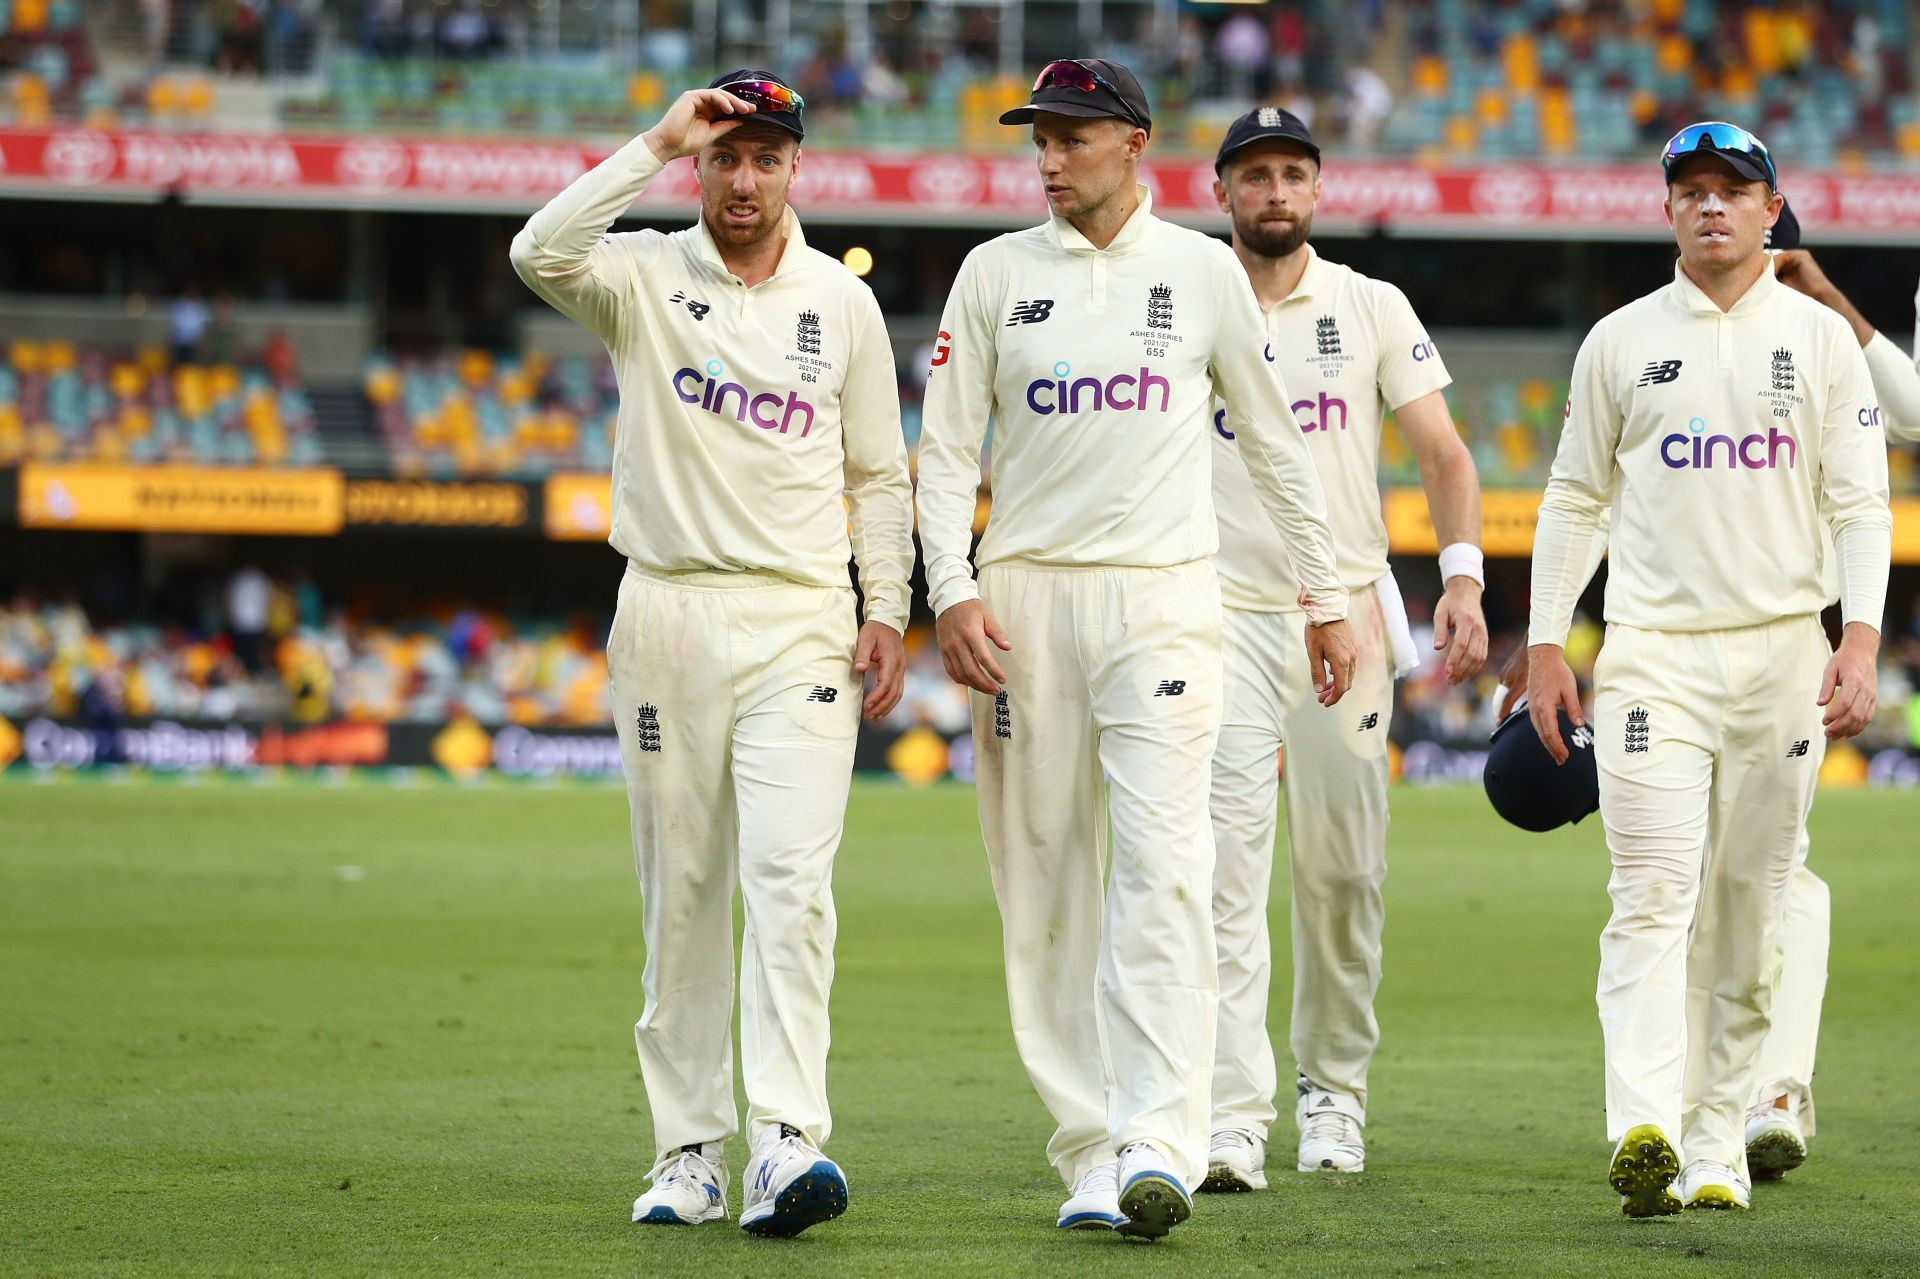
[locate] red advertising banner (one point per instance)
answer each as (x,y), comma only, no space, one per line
(379,171)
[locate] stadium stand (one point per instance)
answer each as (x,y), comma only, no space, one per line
(60,403)
(1828,83)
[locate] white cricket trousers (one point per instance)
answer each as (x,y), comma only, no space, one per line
(1709,744)
(1806,935)
(1336,787)
(1110,713)
(737,706)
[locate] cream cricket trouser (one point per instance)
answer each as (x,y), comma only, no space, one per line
(737,706)
(1336,788)
(1709,744)
(1111,710)
(1786,1056)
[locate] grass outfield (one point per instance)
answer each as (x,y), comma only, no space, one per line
(342,1032)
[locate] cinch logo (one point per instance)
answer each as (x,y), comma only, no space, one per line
(710,393)
(1121,391)
(1329,415)
(1424,351)
(1695,449)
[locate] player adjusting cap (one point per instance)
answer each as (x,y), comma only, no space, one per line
(1260,124)
(1528,788)
(775,101)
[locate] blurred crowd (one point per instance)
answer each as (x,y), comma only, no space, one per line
(202,399)
(1827,82)
(256,649)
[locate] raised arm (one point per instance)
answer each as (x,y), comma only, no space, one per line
(562,253)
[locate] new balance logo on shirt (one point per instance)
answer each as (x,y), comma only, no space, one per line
(1170,688)
(1370,720)
(1030,312)
(821,693)
(698,310)
(1799,748)
(1659,371)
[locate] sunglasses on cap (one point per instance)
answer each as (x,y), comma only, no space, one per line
(1069,74)
(766,95)
(1718,135)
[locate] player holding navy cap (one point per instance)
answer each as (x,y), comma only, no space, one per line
(1096,344)
(1350,349)
(757,387)
(1723,420)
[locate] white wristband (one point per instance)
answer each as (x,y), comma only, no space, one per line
(1462,559)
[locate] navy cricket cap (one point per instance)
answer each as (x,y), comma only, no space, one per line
(1786,230)
(1092,87)
(1528,788)
(1260,124)
(775,101)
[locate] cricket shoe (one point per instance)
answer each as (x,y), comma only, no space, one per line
(1643,1171)
(1775,1145)
(1153,1200)
(1329,1124)
(789,1186)
(689,1187)
(1705,1184)
(1236,1162)
(1095,1201)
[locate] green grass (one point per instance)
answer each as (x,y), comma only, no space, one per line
(221,1053)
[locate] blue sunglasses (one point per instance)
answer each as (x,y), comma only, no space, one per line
(1718,135)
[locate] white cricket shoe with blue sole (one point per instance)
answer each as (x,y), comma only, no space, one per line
(1095,1201)
(1153,1199)
(789,1186)
(689,1187)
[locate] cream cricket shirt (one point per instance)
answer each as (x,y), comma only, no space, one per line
(1896,379)
(745,413)
(1098,368)
(1349,348)
(1722,442)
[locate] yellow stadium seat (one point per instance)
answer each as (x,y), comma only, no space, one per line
(126,380)
(1462,137)
(1520,57)
(27,356)
(1429,76)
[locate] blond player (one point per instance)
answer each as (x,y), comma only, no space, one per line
(1723,419)
(756,387)
(1350,349)
(1096,344)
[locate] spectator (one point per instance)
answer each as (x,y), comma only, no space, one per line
(1369,102)
(249,597)
(187,323)
(1241,46)
(384,32)
(467,32)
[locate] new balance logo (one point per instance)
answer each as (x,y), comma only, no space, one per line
(763,1179)
(1170,688)
(821,693)
(1659,371)
(698,310)
(1031,312)
(1370,720)
(647,730)
(1799,748)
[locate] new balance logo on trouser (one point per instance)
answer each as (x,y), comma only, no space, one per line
(744,776)
(1336,788)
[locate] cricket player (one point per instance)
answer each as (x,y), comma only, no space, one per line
(1723,420)
(756,388)
(1781,1116)
(1096,344)
(1349,348)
